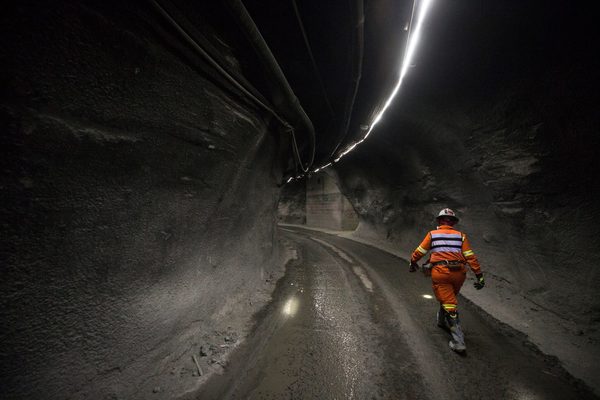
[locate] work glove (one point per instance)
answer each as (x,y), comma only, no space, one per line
(479,282)
(413,266)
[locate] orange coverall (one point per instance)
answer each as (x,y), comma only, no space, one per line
(447,245)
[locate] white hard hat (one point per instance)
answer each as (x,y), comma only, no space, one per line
(447,213)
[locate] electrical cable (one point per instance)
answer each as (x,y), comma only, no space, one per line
(285,97)
(359,43)
(312,59)
(406,57)
(237,84)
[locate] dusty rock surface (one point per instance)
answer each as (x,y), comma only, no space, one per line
(138,200)
(292,203)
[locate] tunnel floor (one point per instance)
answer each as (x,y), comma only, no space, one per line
(347,321)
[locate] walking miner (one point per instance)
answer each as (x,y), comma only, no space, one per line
(450,252)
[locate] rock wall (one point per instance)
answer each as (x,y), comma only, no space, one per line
(292,203)
(138,200)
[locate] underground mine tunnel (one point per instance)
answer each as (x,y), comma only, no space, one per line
(206,200)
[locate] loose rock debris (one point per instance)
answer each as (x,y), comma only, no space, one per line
(197,365)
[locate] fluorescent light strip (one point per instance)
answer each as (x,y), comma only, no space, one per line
(322,167)
(408,56)
(412,45)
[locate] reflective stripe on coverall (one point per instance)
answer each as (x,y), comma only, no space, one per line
(447,244)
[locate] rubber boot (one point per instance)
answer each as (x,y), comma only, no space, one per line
(458,338)
(442,317)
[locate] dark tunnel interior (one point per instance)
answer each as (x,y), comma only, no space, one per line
(152,150)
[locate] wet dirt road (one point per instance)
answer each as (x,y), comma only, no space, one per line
(349,322)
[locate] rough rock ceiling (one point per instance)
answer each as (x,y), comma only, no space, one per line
(469,52)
